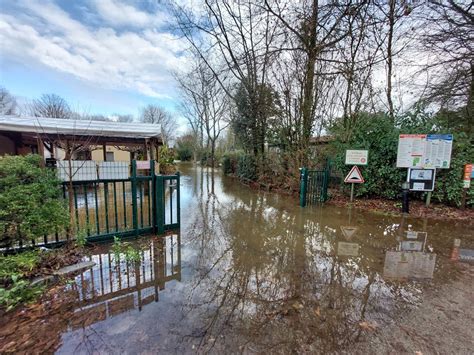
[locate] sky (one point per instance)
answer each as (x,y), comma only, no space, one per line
(102,56)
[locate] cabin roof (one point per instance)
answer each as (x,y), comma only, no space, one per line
(60,128)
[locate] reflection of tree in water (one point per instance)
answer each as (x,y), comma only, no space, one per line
(272,280)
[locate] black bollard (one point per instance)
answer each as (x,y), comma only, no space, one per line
(405,200)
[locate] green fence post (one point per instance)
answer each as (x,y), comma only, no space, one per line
(133,180)
(160,205)
(303,183)
(178,198)
(152,200)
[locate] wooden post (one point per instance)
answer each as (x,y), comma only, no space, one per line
(145,153)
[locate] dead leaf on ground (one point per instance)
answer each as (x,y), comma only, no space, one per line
(367,326)
(317,311)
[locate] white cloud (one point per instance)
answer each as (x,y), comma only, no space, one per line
(119,14)
(124,60)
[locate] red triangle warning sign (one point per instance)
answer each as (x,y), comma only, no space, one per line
(354,176)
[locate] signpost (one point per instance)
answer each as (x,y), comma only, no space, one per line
(357,157)
(420,152)
(354,177)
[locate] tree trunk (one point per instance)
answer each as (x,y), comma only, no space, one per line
(308,95)
(391,22)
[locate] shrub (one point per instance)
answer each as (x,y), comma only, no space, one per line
(14,271)
(230,161)
(184,153)
(166,160)
(247,167)
(30,200)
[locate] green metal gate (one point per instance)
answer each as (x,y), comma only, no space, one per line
(141,204)
(313,186)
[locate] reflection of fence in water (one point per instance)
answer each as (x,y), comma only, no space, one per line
(113,286)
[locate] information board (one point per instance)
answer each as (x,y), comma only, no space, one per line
(357,157)
(421,179)
(424,151)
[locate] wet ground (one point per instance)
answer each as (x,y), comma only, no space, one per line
(253,272)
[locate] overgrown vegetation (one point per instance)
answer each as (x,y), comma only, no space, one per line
(31,204)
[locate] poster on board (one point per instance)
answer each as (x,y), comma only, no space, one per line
(424,151)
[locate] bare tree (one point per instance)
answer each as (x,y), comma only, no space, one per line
(7,102)
(210,105)
(233,40)
(449,37)
(158,115)
(51,105)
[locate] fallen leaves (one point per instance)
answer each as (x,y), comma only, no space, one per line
(368,326)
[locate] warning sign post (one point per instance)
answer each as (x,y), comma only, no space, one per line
(354,177)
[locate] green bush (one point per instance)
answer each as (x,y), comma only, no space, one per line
(166,160)
(20,291)
(31,204)
(184,153)
(230,161)
(247,167)
(15,288)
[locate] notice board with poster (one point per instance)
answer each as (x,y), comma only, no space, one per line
(421,179)
(424,151)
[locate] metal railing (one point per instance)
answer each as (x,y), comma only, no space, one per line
(313,186)
(143,203)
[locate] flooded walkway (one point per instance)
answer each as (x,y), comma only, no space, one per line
(253,272)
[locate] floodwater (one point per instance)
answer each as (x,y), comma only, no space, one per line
(253,272)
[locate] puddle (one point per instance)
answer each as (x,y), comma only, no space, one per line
(253,272)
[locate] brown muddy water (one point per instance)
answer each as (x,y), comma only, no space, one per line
(253,272)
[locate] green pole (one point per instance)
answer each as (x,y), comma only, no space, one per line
(303,183)
(134,196)
(352,192)
(160,205)
(178,198)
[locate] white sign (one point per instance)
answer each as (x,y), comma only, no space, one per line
(354,176)
(424,151)
(357,157)
(143,164)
